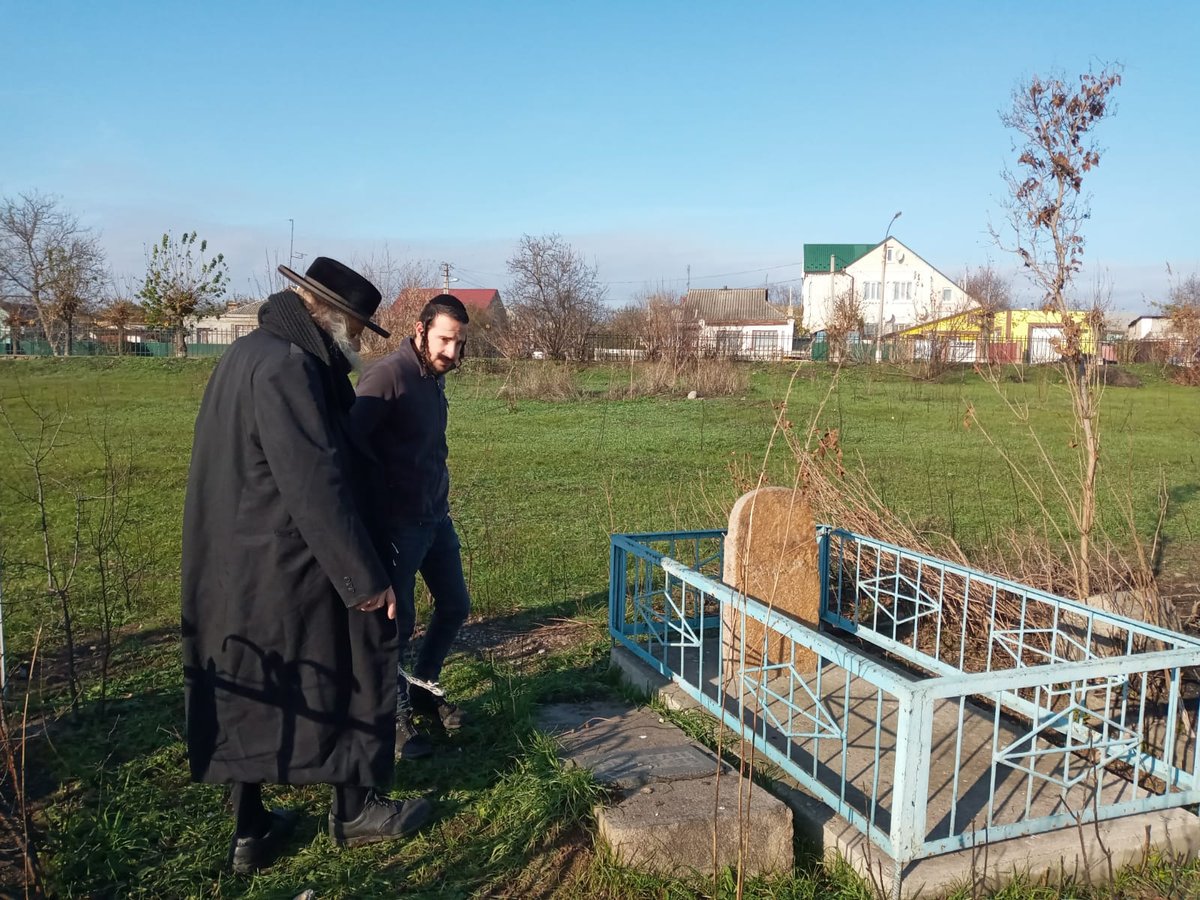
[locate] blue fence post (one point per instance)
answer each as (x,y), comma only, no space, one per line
(616,588)
(910,791)
(823,568)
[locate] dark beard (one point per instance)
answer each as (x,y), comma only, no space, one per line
(422,345)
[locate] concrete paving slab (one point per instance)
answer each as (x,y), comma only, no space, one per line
(670,828)
(674,794)
(626,748)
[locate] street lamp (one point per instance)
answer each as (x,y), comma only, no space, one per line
(882,284)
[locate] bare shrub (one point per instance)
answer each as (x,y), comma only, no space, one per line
(845,319)
(708,377)
(1039,555)
(1183,308)
(540,380)
(404,285)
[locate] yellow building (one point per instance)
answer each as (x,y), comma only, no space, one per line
(1013,335)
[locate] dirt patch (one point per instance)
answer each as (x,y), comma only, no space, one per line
(513,640)
(1113,376)
(1183,589)
(554,873)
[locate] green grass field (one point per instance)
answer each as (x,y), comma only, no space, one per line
(537,488)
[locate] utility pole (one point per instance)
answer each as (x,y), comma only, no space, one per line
(832,300)
(882,283)
(689,277)
(446,276)
(292,243)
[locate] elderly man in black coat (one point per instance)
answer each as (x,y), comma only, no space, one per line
(289,639)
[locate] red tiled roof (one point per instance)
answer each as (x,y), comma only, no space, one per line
(472,298)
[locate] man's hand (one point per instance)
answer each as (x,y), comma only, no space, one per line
(379,601)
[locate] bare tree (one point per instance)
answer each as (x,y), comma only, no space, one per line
(1183,308)
(1052,122)
(120,314)
(845,318)
(48,257)
(181,284)
(652,324)
(75,278)
(406,285)
(992,294)
(557,298)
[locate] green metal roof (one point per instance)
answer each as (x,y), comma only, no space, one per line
(816,256)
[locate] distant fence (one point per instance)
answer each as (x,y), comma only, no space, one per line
(134,342)
(1031,351)
(603,346)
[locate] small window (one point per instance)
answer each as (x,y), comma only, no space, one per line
(765,341)
(889,254)
(946,295)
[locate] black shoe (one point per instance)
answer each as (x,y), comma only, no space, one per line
(411,743)
(249,854)
(434,706)
(382,819)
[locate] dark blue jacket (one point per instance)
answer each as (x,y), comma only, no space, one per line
(400,414)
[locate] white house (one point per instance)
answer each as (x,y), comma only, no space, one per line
(912,289)
(229,325)
(738,322)
(1151,328)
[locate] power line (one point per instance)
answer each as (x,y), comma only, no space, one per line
(687,278)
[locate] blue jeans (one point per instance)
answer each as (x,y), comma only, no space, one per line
(433,550)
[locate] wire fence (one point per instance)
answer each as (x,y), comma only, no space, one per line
(748,343)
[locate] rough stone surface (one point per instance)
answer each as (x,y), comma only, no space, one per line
(668,828)
(771,555)
(672,792)
(627,748)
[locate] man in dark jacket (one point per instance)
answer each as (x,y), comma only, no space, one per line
(401,414)
(289,642)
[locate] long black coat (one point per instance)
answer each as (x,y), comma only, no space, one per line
(284,683)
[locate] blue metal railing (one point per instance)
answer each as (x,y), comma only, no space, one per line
(995,711)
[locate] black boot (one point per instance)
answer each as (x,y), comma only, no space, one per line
(430,703)
(382,819)
(249,854)
(411,742)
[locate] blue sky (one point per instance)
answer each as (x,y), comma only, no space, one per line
(652,135)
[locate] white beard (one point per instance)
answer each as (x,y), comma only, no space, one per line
(341,337)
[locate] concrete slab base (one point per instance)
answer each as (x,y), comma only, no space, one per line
(676,804)
(1091,854)
(637,674)
(673,828)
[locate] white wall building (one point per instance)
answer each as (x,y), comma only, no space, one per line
(227,326)
(1151,328)
(738,322)
(913,290)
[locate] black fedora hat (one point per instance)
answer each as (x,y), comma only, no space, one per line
(341,287)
